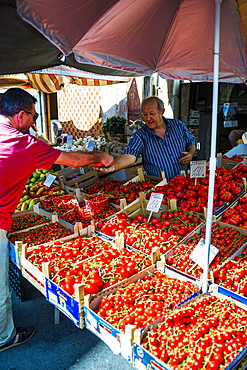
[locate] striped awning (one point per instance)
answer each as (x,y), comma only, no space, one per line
(54,79)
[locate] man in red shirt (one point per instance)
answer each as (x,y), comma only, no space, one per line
(20,155)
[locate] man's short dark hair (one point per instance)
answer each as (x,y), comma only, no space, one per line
(14,100)
(150,99)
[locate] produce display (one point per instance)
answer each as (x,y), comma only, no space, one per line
(232,275)
(115,189)
(70,210)
(226,239)
(235,157)
(39,175)
(40,234)
(105,269)
(193,195)
(35,191)
(28,220)
(237,215)
(144,301)
(207,333)
(163,232)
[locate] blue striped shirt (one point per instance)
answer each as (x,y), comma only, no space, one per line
(158,154)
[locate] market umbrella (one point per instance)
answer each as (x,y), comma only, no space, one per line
(178,39)
(24,49)
(174,38)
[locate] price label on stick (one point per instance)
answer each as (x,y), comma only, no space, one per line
(69,140)
(49,180)
(154,202)
(90,146)
(197,169)
(199,253)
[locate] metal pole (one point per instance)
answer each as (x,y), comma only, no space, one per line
(212,161)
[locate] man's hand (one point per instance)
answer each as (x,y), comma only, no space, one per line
(186,159)
(104,160)
(105,169)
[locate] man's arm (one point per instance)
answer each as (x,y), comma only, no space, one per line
(76,159)
(123,161)
(187,156)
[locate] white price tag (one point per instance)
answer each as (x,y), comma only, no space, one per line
(198,254)
(82,171)
(197,169)
(154,202)
(49,180)
(69,140)
(90,146)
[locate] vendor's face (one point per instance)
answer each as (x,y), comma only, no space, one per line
(153,117)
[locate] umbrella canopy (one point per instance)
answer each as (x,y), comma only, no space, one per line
(24,49)
(174,38)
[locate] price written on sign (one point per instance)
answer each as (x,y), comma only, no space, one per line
(154,202)
(197,169)
(49,180)
(199,253)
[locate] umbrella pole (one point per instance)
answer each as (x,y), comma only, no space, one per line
(212,161)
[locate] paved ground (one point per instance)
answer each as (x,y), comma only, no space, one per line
(56,347)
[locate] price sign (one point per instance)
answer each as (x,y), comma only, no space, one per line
(199,253)
(197,169)
(154,202)
(69,140)
(82,171)
(49,180)
(90,146)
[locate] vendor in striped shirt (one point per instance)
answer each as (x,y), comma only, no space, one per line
(164,144)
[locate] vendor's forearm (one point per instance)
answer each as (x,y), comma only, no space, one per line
(125,160)
(191,149)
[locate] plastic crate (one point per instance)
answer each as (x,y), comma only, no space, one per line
(18,284)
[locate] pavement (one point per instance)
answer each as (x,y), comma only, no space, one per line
(61,346)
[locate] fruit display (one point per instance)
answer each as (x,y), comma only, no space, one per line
(26,221)
(144,301)
(35,191)
(235,157)
(232,274)
(162,232)
(236,215)
(41,234)
(226,239)
(39,175)
(193,196)
(207,333)
(115,189)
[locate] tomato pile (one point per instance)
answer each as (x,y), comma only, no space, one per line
(41,234)
(59,204)
(69,263)
(194,196)
(237,215)
(227,240)
(116,190)
(205,334)
(163,232)
(28,220)
(232,275)
(235,157)
(144,301)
